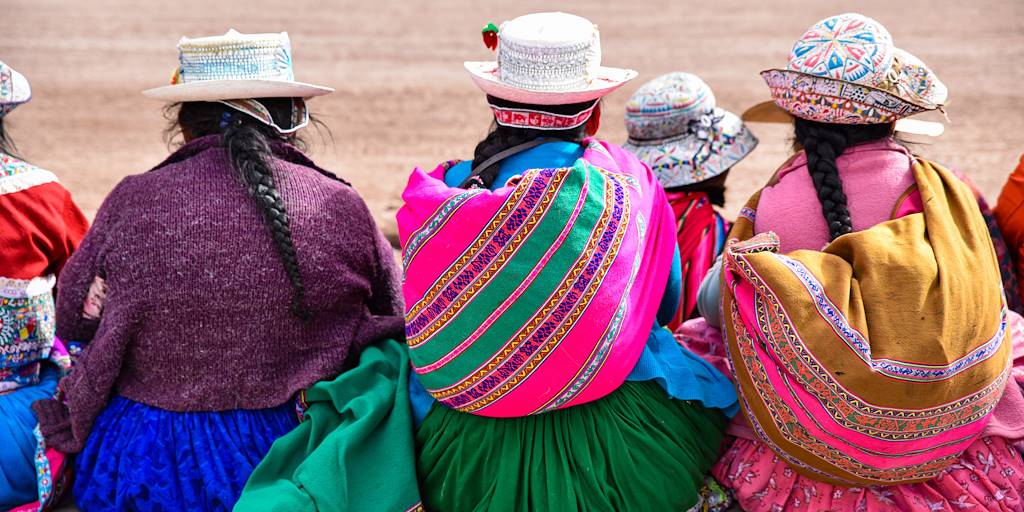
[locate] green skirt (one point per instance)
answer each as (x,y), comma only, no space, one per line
(635,449)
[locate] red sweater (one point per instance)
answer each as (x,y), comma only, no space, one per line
(39,228)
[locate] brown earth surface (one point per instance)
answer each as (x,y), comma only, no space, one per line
(403,98)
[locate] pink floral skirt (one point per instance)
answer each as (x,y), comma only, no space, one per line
(988,477)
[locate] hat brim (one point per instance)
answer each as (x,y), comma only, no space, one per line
(606,80)
(828,100)
(671,160)
(214,90)
(770,112)
(22,93)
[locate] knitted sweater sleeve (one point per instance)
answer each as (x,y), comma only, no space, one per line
(387,282)
(78,274)
(66,420)
(384,302)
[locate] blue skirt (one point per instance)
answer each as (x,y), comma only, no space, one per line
(18,484)
(140,457)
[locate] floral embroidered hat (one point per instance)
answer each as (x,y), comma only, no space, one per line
(550,58)
(676,129)
(14,89)
(846,70)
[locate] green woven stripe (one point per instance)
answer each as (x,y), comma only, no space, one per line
(504,283)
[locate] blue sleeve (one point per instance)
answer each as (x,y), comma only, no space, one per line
(458,173)
(670,300)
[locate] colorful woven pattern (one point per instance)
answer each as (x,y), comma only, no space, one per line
(859,373)
(846,47)
(700,234)
(26,329)
(846,70)
(16,175)
(530,298)
(675,128)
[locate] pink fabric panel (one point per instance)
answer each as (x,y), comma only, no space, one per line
(989,476)
(874,176)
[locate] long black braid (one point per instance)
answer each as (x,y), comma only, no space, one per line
(502,137)
(823,143)
(248,146)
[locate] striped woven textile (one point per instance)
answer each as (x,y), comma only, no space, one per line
(880,359)
(539,295)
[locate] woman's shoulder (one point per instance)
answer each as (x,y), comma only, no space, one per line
(17,175)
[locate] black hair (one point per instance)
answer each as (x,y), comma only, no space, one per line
(823,143)
(248,146)
(7,145)
(503,137)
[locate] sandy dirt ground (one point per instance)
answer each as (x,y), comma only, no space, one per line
(403,98)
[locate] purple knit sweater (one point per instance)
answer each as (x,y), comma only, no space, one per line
(197,312)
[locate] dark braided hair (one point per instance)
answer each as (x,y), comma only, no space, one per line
(501,137)
(823,143)
(248,146)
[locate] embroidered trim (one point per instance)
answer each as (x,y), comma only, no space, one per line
(538,120)
(26,288)
(24,179)
(552,323)
(902,370)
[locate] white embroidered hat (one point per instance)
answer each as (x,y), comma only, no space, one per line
(235,66)
(14,89)
(550,58)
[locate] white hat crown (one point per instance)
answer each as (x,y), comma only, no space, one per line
(236,56)
(550,52)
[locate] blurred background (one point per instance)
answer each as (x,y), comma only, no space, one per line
(404,100)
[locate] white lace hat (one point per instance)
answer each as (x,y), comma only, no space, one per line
(550,58)
(235,66)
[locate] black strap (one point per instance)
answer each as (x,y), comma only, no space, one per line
(501,156)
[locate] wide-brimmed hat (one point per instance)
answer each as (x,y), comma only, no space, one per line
(846,70)
(235,66)
(14,89)
(675,128)
(550,58)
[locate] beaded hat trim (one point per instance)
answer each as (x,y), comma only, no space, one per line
(846,70)
(540,120)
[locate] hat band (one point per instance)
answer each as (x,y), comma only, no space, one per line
(704,127)
(258,111)
(540,120)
